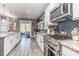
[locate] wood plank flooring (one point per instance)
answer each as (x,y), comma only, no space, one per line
(27,47)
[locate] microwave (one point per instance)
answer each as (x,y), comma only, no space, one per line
(63,11)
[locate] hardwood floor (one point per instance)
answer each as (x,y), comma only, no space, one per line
(27,47)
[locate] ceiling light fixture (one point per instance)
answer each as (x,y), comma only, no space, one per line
(4,17)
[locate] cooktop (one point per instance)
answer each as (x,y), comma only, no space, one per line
(60,37)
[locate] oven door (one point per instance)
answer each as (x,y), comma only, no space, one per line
(50,53)
(47,49)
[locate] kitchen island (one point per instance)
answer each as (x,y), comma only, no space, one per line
(8,41)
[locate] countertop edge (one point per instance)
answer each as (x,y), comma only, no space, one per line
(69,47)
(10,33)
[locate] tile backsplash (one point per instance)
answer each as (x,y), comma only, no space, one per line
(68,27)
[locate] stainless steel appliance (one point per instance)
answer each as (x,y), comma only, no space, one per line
(64,10)
(51,47)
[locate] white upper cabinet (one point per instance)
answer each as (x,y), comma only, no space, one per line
(47,16)
(41,23)
(49,8)
(75,11)
(53,6)
(4,25)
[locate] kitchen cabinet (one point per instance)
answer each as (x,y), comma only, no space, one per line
(7,43)
(53,6)
(39,39)
(14,25)
(48,10)
(47,16)
(75,11)
(41,44)
(4,25)
(41,25)
(68,52)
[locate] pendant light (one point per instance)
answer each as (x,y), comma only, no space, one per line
(3,12)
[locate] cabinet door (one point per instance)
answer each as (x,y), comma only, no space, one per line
(53,6)
(41,43)
(7,45)
(36,37)
(39,40)
(42,46)
(47,16)
(17,37)
(12,41)
(75,11)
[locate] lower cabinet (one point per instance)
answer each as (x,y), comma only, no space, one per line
(39,39)
(68,52)
(10,42)
(7,45)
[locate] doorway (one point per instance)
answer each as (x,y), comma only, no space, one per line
(25,28)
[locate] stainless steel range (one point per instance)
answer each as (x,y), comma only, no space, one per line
(51,47)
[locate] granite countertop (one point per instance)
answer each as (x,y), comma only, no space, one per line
(3,35)
(71,44)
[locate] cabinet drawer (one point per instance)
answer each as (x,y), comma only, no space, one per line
(68,52)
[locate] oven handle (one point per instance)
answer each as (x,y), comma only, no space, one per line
(56,51)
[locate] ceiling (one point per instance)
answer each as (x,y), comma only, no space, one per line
(23,10)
